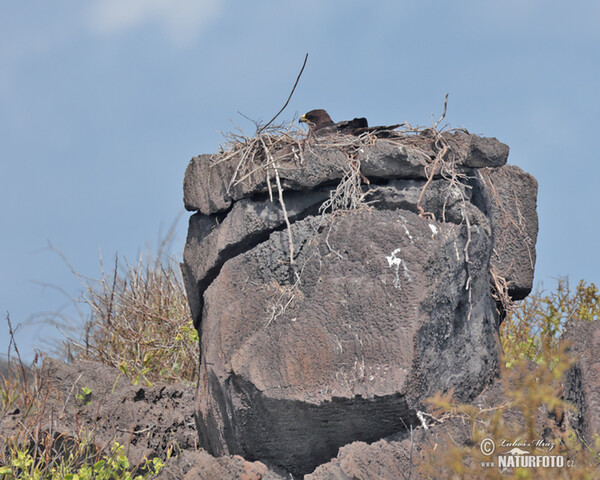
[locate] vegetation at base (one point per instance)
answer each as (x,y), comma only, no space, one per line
(77,463)
(33,451)
(532,328)
(534,362)
(139,321)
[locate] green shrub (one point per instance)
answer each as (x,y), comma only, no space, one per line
(75,464)
(534,363)
(532,328)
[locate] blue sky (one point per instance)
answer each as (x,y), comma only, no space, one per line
(104,102)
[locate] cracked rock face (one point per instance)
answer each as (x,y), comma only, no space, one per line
(381,309)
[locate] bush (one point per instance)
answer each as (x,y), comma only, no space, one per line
(532,328)
(31,450)
(139,321)
(77,463)
(534,362)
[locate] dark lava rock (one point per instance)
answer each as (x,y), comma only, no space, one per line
(383,306)
(510,197)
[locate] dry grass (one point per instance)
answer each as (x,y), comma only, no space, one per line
(535,361)
(140,322)
(134,316)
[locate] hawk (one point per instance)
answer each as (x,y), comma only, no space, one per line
(319,123)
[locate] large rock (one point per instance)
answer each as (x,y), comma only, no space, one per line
(377,324)
(381,308)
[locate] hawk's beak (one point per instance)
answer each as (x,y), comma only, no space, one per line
(303,119)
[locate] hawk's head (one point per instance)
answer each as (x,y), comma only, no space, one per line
(316,120)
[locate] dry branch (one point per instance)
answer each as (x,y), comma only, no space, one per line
(288,100)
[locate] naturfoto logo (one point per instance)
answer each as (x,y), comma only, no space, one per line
(520,454)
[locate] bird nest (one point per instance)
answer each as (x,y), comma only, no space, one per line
(281,146)
(265,152)
(274,148)
(278,147)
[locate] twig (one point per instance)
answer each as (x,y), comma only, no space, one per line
(258,132)
(439,157)
(349,194)
(441,153)
(137,432)
(12,342)
(281,202)
(443,114)
(240,163)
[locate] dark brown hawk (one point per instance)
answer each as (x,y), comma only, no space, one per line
(319,123)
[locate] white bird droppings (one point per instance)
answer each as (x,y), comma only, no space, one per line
(406,229)
(396,262)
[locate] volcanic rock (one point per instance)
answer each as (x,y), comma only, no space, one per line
(383,305)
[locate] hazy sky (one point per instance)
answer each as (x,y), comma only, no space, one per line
(104,102)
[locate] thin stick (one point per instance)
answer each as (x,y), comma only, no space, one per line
(443,114)
(281,202)
(265,166)
(439,157)
(285,215)
(269,185)
(241,162)
(258,132)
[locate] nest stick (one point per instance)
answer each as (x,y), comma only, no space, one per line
(443,114)
(269,185)
(285,215)
(439,157)
(239,165)
(281,202)
(288,100)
